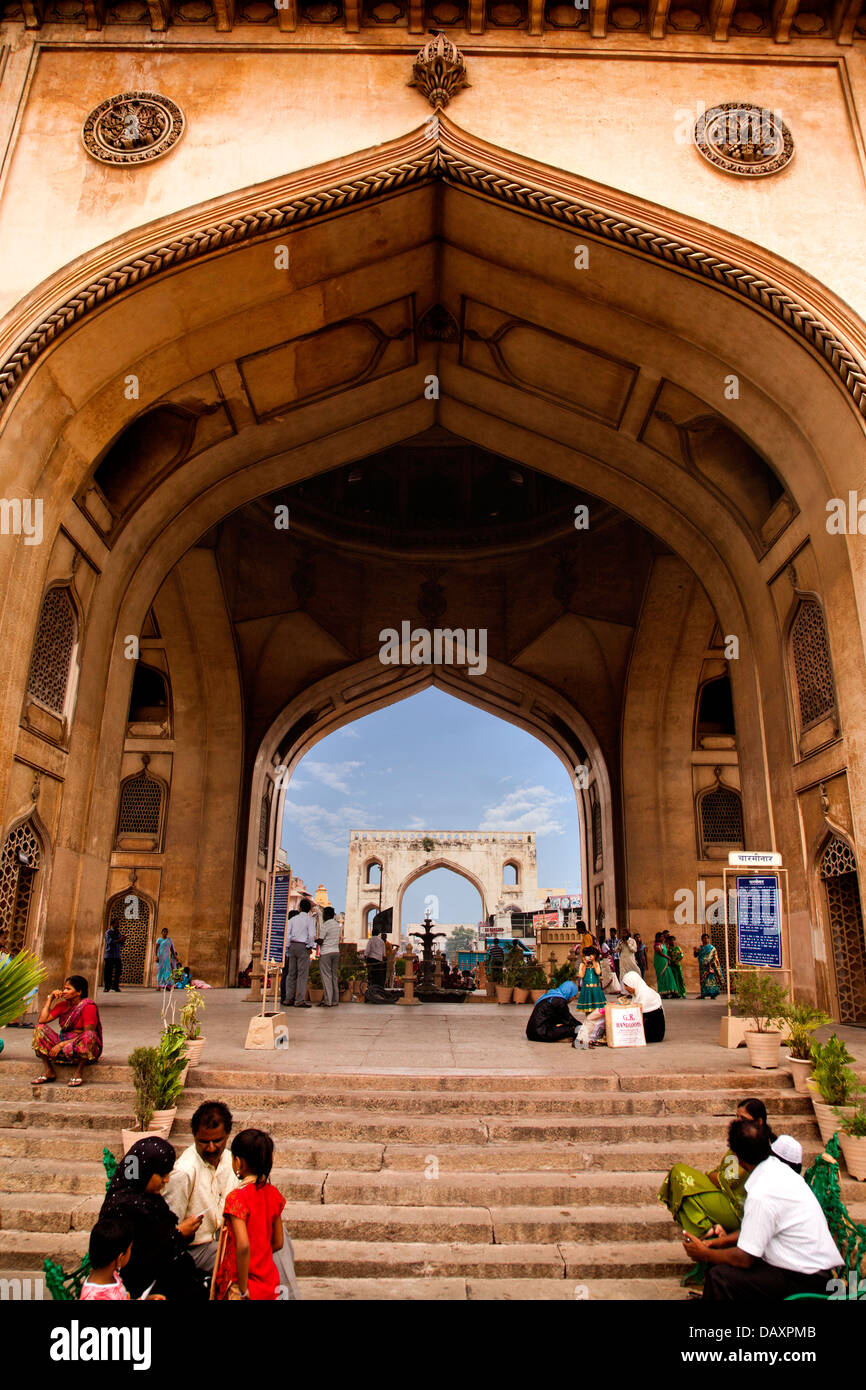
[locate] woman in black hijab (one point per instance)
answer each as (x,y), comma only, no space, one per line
(159,1244)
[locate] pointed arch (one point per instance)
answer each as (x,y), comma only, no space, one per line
(440,862)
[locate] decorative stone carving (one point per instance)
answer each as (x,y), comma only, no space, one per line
(439,72)
(744,139)
(132,128)
(438,325)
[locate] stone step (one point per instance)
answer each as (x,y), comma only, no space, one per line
(377,1259)
(484,1290)
(489,1189)
(56,1212)
(364,1127)
(500,1225)
(746,1080)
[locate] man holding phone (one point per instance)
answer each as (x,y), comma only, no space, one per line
(200,1181)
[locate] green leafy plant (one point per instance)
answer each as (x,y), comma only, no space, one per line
(855,1124)
(171,1063)
(428,844)
(566,971)
(802,1021)
(144,1064)
(19,976)
(537,977)
(315,975)
(189,1014)
(762,999)
(833,1075)
(400,968)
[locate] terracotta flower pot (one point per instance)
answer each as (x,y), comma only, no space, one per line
(535,994)
(503,994)
(764,1049)
(316,995)
(194,1049)
(490,989)
(801,1070)
(346,995)
(163,1120)
(854,1152)
(519,996)
(132,1136)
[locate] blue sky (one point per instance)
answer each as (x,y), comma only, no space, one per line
(430,762)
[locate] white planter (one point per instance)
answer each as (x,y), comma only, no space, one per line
(854,1152)
(825,1115)
(132,1136)
(194,1049)
(764,1049)
(163,1120)
(801,1070)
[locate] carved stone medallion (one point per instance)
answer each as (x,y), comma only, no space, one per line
(132,128)
(744,139)
(439,71)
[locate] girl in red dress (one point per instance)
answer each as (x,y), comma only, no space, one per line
(254,1227)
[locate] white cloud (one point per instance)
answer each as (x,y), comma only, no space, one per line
(333,775)
(349,731)
(526,808)
(416,823)
(324,830)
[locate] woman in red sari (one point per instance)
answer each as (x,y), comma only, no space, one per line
(79,1040)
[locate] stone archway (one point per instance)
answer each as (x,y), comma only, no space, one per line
(439,213)
(406,855)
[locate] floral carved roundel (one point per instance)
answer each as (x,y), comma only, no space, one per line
(132,128)
(744,139)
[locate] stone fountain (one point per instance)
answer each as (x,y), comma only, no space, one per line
(426,987)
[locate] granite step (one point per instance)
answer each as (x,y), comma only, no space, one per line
(483,1290)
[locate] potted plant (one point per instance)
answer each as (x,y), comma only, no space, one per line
(537,983)
(833,1085)
(852,1139)
(171,1070)
(802,1021)
(521,977)
(191,1028)
(347,975)
(317,992)
(144,1065)
(359,981)
(763,1000)
(20,977)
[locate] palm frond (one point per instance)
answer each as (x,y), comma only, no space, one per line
(19,976)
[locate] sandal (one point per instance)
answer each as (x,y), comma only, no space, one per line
(43,1080)
(76,1081)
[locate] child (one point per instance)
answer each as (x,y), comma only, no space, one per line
(254,1227)
(110,1249)
(591,993)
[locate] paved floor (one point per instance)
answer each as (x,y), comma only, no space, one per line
(433,1038)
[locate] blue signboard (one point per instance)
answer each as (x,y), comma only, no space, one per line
(279,913)
(759,920)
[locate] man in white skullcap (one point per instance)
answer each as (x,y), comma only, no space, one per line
(789,1150)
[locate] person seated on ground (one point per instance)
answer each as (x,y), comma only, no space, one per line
(109,1251)
(551,1019)
(160,1260)
(79,1041)
(784,1244)
(635,987)
(202,1178)
(787,1150)
(711,1204)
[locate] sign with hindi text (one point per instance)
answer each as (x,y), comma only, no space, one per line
(759,920)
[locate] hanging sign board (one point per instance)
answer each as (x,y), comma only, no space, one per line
(747,859)
(545,919)
(759,920)
(624,1025)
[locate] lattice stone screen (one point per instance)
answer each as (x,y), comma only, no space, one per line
(140,806)
(16,883)
(839,872)
(56,634)
(810,649)
(721,817)
(264,817)
(135,928)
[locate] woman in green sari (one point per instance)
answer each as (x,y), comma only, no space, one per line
(675,956)
(665,982)
(699,1202)
(710,969)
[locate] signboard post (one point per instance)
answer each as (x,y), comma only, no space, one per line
(757,901)
(269,1030)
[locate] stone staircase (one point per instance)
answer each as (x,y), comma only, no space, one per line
(412,1186)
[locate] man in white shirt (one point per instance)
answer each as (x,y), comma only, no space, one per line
(784,1245)
(329,958)
(301,932)
(202,1178)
